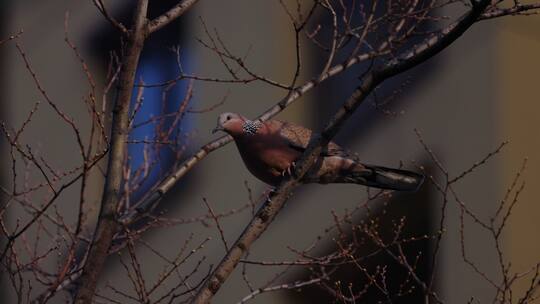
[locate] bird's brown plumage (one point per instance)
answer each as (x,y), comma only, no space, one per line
(270,148)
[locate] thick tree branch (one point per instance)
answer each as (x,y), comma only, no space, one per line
(277,199)
(107,224)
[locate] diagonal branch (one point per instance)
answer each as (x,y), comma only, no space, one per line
(275,202)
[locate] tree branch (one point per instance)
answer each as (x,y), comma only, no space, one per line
(11,37)
(169,16)
(107,224)
(518,9)
(101,7)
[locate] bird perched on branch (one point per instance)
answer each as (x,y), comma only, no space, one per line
(271,148)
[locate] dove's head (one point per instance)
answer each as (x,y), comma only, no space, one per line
(236,125)
(230,122)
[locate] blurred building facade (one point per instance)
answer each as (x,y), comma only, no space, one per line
(474,95)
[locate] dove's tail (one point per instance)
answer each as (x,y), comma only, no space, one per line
(386,178)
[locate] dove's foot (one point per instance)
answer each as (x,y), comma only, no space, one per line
(290,169)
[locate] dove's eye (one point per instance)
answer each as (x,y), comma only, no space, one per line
(228,117)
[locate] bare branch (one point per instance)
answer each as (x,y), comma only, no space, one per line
(101,8)
(294,285)
(169,16)
(11,37)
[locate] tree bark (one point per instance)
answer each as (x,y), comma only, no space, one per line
(107,225)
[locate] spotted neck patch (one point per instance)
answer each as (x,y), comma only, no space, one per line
(251,127)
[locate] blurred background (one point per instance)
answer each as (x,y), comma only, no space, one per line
(479,92)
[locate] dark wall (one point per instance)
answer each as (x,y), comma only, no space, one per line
(3,106)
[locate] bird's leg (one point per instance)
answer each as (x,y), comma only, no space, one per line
(289,170)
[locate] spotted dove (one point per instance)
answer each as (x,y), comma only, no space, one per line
(269,150)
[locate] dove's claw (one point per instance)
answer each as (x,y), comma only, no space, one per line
(289,170)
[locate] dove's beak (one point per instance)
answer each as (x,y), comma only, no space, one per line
(218,128)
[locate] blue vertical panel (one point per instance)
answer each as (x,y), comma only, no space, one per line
(157,66)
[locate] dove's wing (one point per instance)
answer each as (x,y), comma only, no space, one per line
(298,137)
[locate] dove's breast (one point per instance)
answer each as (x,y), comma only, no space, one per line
(266,156)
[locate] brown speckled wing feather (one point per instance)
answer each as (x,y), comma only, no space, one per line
(298,138)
